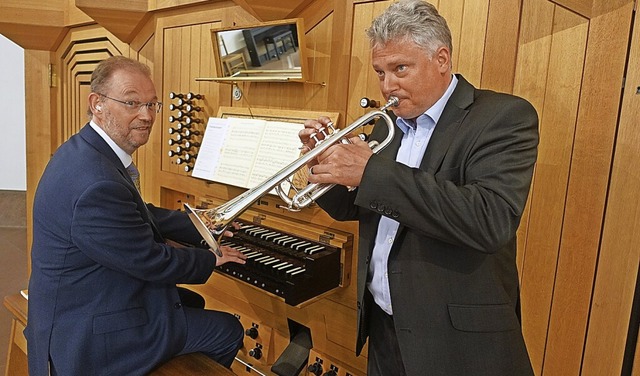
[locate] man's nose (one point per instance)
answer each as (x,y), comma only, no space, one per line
(146,113)
(388,84)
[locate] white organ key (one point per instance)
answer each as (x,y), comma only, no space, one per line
(293,270)
(253,254)
(279,238)
(272,261)
(294,245)
(257,231)
(315,249)
(305,244)
(287,241)
(264,260)
(286,266)
(276,266)
(270,235)
(261,258)
(302,270)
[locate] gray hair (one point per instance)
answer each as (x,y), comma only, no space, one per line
(414,20)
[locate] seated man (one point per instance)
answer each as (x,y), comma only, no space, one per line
(102,294)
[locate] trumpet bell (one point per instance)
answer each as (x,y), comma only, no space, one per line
(199,223)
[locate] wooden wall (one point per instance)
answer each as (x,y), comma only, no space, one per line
(575,60)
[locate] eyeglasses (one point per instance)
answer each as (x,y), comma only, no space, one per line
(134,106)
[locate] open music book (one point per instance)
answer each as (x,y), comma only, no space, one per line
(245,152)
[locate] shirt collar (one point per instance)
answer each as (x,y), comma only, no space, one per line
(124,157)
(433,113)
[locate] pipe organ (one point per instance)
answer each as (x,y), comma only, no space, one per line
(575,321)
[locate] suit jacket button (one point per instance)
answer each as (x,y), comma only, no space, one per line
(177,305)
(373,205)
(388,211)
(395,214)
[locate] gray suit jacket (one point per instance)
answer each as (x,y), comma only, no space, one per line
(452,271)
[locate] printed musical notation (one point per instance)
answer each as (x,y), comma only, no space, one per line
(245,152)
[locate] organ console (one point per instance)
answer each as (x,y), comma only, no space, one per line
(283,264)
(295,268)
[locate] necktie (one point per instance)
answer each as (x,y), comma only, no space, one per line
(135,175)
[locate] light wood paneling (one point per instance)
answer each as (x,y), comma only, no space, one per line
(617,263)
(39,119)
(558,126)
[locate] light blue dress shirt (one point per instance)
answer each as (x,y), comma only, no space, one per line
(414,143)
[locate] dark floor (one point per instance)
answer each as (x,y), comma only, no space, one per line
(13,265)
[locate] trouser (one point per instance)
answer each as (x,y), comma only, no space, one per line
(216,334)
(385,358)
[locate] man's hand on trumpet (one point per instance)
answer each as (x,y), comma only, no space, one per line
(342,163)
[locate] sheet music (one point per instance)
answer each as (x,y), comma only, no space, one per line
(278,148)
(210,149)
(239,151)
(245,152)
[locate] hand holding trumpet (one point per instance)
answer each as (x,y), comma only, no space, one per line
(343,163)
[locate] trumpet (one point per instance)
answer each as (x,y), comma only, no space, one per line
(212,223)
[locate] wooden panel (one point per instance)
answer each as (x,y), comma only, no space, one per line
(453,12)
(582,7)
(617,267)
(501,45)
(33,24)
(471,46)
(269,10)
(537,268)
(558,126)
(82,50)
(38,118)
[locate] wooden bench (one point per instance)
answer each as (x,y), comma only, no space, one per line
(189,364)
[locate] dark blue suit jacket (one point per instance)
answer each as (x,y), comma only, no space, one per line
(452,268)
(102,293)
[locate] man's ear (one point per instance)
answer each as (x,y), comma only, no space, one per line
(444,58)
(94,103)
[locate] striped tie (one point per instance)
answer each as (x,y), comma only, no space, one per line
(135,175)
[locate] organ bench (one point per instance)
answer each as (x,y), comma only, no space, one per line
(189,364)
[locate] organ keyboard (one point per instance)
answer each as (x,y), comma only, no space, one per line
(286,265)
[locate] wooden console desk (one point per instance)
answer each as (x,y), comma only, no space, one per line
(189,364)
(17,355)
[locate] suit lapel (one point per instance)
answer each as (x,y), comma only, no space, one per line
(450,121)
(96,141)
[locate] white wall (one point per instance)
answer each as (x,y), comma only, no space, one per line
(13,163)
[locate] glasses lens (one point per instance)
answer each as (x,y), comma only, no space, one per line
(151,106)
